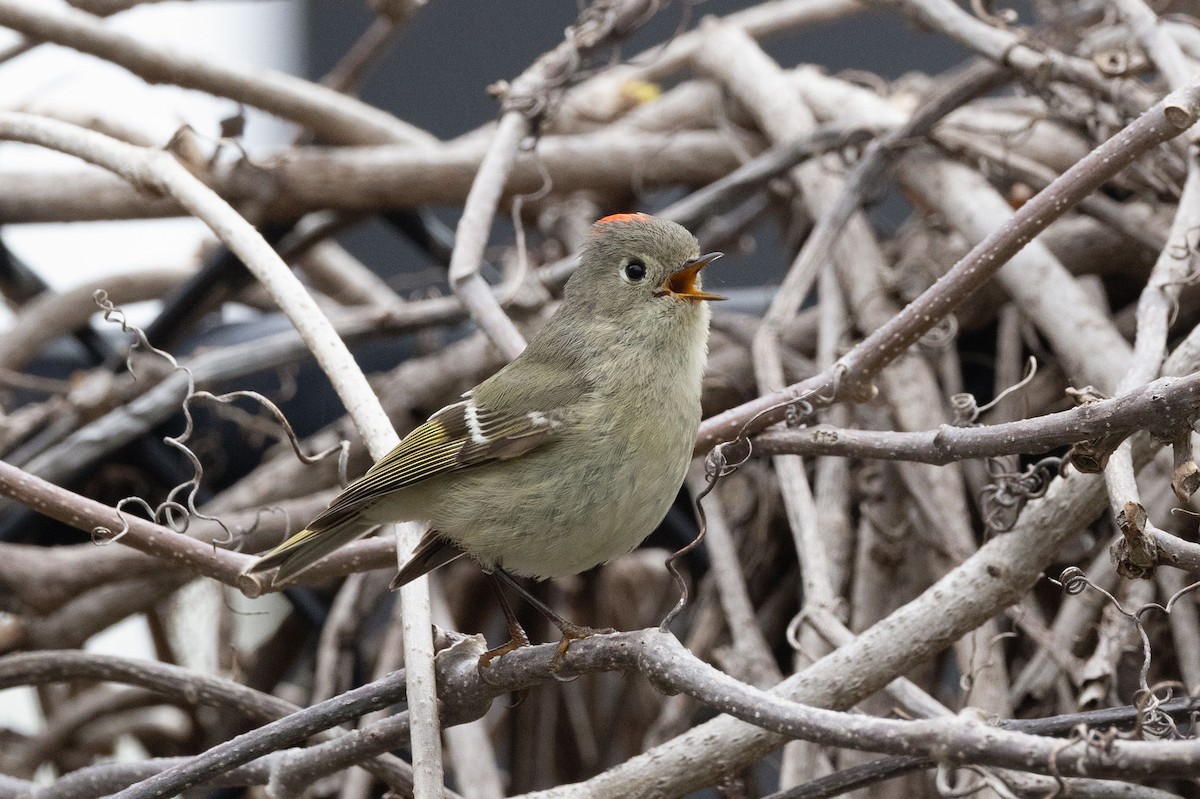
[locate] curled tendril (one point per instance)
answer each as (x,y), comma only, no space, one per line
(343,447)
(950,788)
(1151,719)
(115,315)
(796,413)
(1002,500)
(965,407)
(722,460)
(103,536)
(840,370)
(797,409)
(702,520)
(242,531)
(792,634)
(718,462)
(179,507)
(1074,581)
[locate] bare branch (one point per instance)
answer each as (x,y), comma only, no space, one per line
(1165,405)
(332,115)
(160,171)
(852,373)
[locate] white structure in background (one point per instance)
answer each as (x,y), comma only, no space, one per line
(67,84)
(61,82)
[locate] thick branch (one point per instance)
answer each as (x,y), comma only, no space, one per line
(389,176)
(1164,406)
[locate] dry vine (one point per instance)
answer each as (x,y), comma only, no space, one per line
(994,566)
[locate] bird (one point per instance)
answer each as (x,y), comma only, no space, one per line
(568,456)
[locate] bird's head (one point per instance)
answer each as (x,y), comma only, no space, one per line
(635,264)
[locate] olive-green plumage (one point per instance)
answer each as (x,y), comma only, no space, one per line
(571,454)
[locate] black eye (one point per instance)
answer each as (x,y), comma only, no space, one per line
(635,271)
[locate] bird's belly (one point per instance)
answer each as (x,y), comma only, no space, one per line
(536,518)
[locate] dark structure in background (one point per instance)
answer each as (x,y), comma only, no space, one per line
(437,75)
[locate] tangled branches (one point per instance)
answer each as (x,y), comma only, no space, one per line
(886,485)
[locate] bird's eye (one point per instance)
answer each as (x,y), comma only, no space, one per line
(634,271)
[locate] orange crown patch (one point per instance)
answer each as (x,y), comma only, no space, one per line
(638,217)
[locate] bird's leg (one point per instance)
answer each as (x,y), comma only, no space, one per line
(516,635)
(570,631)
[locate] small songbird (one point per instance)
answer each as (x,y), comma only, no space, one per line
(567,457)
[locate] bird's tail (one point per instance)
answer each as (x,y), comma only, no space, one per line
(310,545)
(432,552)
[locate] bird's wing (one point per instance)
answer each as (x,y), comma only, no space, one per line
(456,437)
(479,429)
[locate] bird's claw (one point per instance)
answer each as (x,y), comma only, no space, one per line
(572,632)
(514,643)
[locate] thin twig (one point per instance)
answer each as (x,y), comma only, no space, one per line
(525,103)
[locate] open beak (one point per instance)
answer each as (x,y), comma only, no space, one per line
(682,282)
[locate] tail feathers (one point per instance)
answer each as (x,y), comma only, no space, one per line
(308,546)
(433,551)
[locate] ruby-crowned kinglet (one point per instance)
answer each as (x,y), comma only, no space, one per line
(571,454)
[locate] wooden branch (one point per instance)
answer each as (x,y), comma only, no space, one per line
(852,374)
(388,176)
(1164,405)
(153,539)
(333,116)
(160,171)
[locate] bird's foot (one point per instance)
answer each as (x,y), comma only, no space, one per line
(516,640)
(573,632)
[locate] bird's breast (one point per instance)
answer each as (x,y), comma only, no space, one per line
(596,491)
